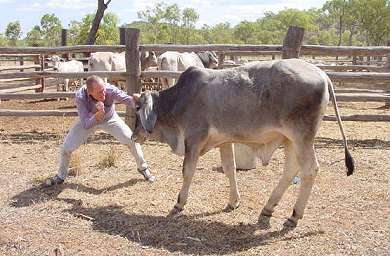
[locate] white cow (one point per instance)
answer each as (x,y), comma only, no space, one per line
(110,61)
(62,66)
(180,61)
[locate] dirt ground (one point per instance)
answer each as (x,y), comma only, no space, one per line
(112,211)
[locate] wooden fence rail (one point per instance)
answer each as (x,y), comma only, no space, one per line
(305,49)
(132,48)
(341,97)
(73,113)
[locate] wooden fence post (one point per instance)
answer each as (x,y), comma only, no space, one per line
(64,42)
(21,62)
(292,42)
(133,68)
(221,59)
(122,31)
(42,61)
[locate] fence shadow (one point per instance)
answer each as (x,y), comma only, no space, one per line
(184,234)
(323,142)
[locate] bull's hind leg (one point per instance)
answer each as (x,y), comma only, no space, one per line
(290,170)
(189,165)
(309,167)
(229,168)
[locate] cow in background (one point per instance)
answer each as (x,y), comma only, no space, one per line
(111,61)
(61,65)
(180,61)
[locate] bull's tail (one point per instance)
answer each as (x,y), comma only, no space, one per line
(349,162)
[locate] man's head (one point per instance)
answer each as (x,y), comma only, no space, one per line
(96,88)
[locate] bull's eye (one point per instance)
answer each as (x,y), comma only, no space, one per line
(137,108)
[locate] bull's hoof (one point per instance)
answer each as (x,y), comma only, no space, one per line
(230,208)
(264,222)
(266,213)
(290,224)
(175,212)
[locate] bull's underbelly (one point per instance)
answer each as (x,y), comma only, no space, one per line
(255,139)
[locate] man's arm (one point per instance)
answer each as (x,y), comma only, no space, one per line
(87,119)
(122,97)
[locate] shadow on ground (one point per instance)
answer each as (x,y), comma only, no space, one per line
(186,234)
(41,194)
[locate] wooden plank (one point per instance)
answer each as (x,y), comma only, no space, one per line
(360,118)
(5,68)
(168,74)
(251,53)
(359,76)
(29,96)
(210,47)
(19,89)
(35,113)
(69,113)
(345,50)
(352,67)
(61,49)
(346,97)
(40,74)
(362,97)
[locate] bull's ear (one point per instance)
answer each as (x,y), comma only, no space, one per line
(146,113)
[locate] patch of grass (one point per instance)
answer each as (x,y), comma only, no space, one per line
(75,164)
(109,158)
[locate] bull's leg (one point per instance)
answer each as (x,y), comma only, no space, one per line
(309,167)
(229,168)
(190,160)
(290,170)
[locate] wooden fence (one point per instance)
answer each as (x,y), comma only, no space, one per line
(291,48)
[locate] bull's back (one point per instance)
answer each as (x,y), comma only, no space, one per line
(259,94)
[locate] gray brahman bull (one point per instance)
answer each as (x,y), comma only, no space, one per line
(260,104)
(180,61)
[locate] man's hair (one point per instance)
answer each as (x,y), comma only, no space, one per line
(92,81)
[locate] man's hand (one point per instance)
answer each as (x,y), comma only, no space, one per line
(99,115)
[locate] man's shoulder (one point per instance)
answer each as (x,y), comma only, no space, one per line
(81,92)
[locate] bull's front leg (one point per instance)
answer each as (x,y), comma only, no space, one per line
(189,165)
(229,168)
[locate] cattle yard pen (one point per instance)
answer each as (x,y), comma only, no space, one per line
(130,38)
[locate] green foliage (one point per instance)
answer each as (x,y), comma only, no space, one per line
(13,32)
(3,40)
(34,37)
(51,29)
(337,22)
(108,32)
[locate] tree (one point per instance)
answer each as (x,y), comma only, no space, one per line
(102,6)
(108,32)
(245,32)
(3,40)
(374,19)
(154,17)
(13,32)
(172,16)
(34,37)
(189,18)
(51,29)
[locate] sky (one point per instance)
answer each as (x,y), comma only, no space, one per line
(211,12)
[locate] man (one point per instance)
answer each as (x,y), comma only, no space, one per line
(96,110)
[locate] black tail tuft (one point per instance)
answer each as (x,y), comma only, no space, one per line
(349,163)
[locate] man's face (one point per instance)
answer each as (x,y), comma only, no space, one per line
(99,92)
